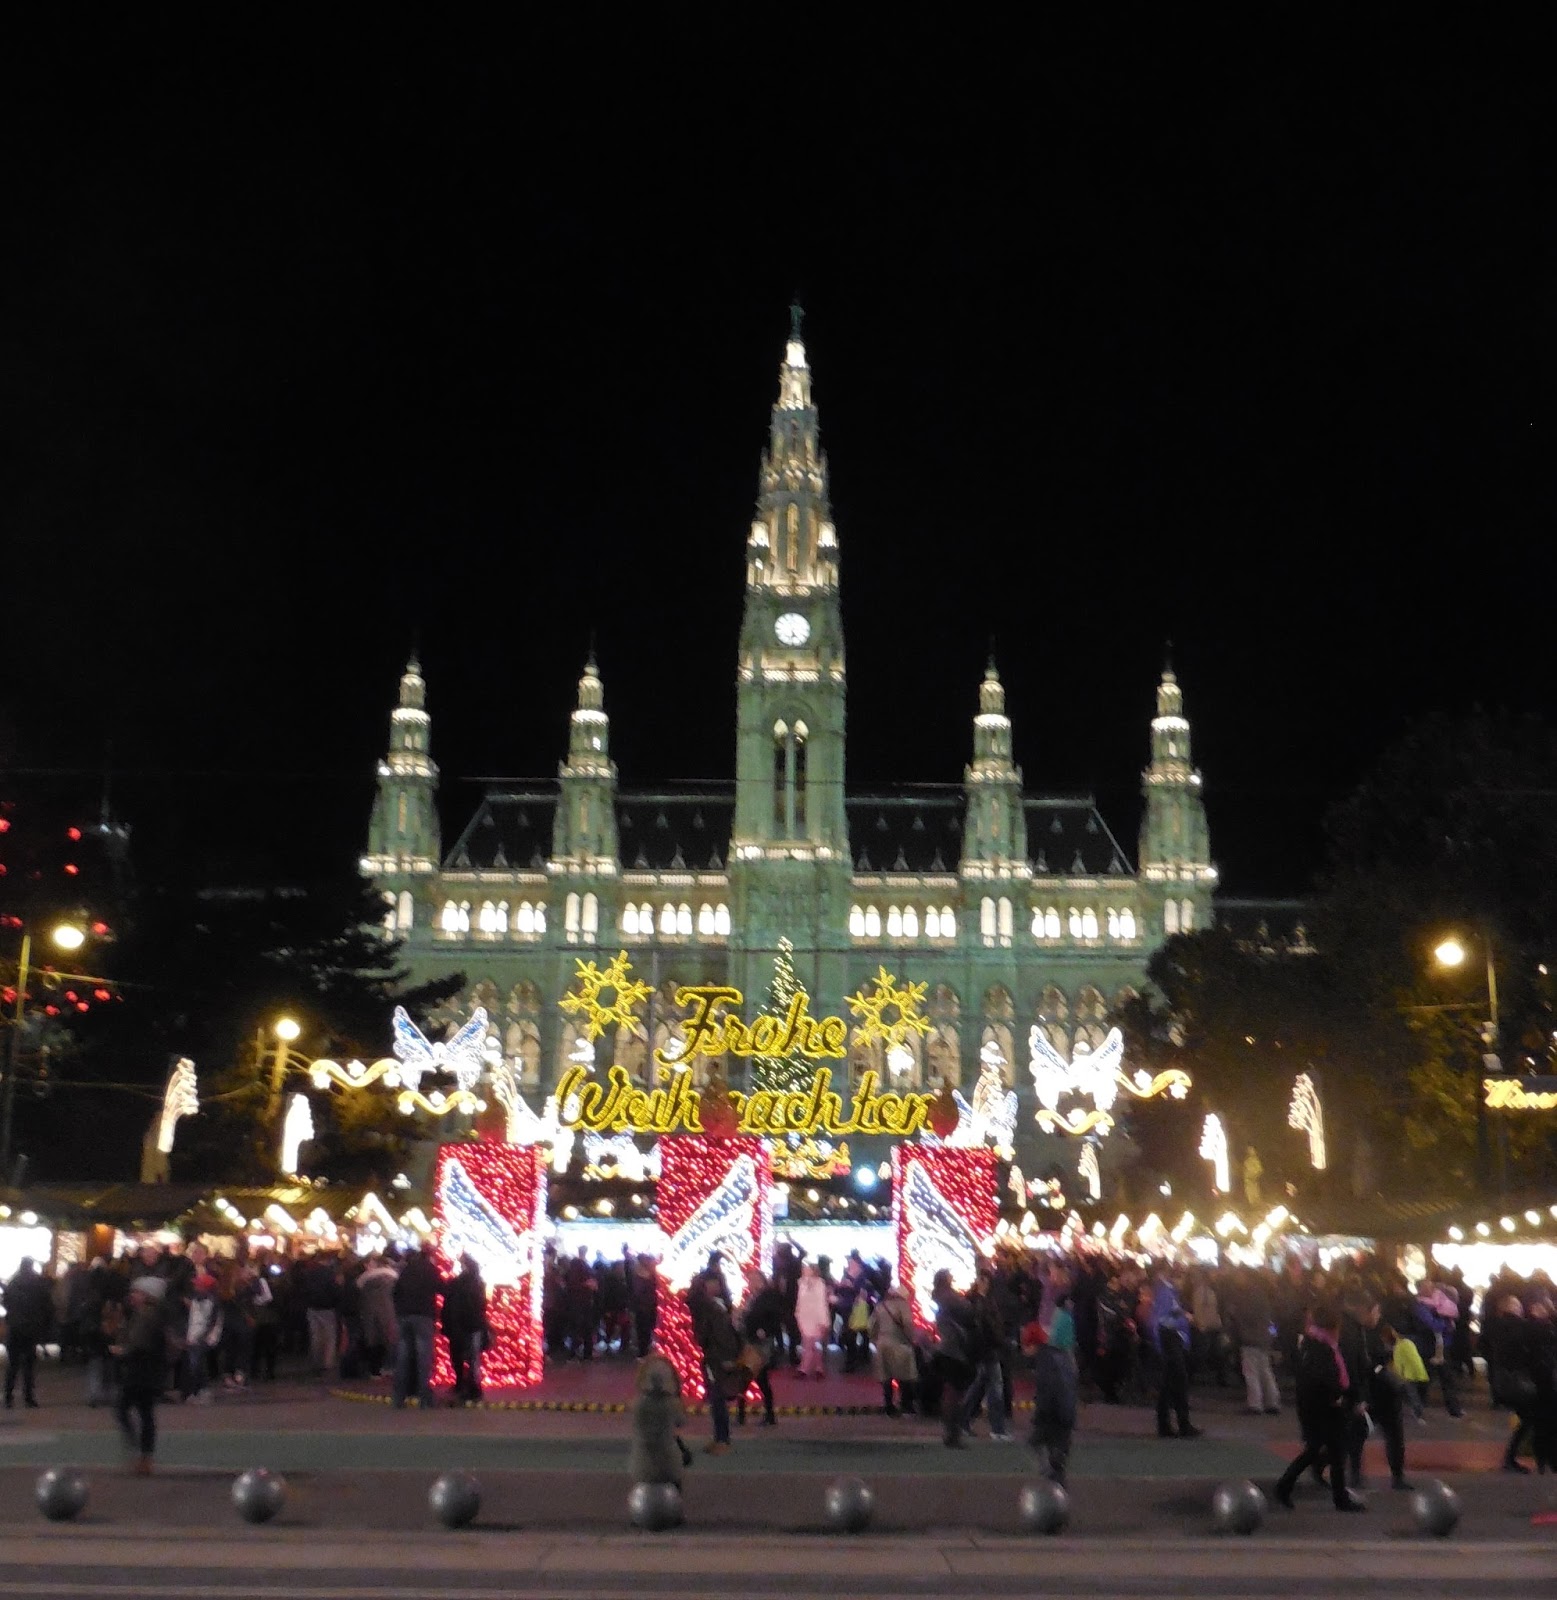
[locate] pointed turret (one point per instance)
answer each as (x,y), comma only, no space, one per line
(1175,842)
(994,833)
(403,836)
(584,830)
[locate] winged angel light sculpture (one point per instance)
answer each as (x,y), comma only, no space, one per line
(990,1118)
(462,1056)
(934,1238)
(727,1222)
(1099,1075)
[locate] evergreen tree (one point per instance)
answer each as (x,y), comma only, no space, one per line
(782,1074)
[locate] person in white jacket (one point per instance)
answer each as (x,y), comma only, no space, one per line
(814,1316)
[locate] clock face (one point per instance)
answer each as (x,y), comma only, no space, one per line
(792,629)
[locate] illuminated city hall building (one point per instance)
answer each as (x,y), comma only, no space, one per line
(1013,909)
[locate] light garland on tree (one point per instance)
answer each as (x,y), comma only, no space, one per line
(181,1098)
(1306,1115)
(1213,1148)
(490,1202)
(714,1194)
(946,1210)
(296,1130)
(1087,1170)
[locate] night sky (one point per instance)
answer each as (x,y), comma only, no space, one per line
(312,344)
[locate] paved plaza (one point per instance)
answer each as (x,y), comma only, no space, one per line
(552,1469)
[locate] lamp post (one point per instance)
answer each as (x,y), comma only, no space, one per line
(67,937)
(1451,953)
(286,1030)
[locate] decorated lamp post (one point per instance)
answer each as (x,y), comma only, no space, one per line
(1306,1114)
(1213,1148)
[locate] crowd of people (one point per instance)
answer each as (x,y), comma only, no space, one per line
(1359,1350)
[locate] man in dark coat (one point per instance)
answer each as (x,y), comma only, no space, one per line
(28,1312)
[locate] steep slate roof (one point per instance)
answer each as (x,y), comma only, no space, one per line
(915,828)
(918,828)
(510,830)
(681,832)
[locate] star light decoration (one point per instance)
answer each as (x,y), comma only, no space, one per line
(1307,1115)
(593,983)
(946,1215)
(1098,1074)
(714,1194)
(872,1009)
(490,1201)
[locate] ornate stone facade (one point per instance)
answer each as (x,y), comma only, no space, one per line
(1015,909)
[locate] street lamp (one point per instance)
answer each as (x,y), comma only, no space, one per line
(286,1030)
(1450,953)
(67,936)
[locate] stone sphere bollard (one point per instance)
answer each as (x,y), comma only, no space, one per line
(258,1494)
(1237,1507)
(1044,1506)
(849,1503)
(455,1499)
(62,1493)
(654,1506)
(1436,1508)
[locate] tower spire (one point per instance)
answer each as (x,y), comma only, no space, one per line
(793,544)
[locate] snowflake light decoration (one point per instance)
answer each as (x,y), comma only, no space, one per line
(594,982)
(872,1010)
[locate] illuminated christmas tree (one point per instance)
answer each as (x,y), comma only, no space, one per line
(780,1074)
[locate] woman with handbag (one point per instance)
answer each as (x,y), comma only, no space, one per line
(892,1335)
(761,1322)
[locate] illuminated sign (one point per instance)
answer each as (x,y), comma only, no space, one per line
(1520,1094)
(621,1106)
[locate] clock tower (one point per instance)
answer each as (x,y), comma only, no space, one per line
(789,854)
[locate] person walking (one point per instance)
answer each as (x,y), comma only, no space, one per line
(1254,1325)
(714,1330)
(465,1328)
(416,1310)
(142,1354)
(892,1335)
(321,1290)
(29,1308)
(955,1351)
(987,1345)
(1378,1402)
(762,1323)
(643,1292)
(1323,1401)
(814,1317)
(1056,1394)
(1168,1330)
(376,1312)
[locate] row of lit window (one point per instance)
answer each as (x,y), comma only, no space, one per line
(713,922)
(1083,923)
(493,917)
(903,922)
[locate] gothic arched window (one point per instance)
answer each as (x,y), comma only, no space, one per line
(856,922)
(894,923)
(1187,916)
(1170,916)
(872,923)
(948,923)
(405,911)
(722,921)
(629,918)
(1089,923)
(570,916)
(910,922)
(684,920)
(987,920)
(1006,925)
(1127,924)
